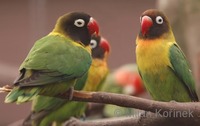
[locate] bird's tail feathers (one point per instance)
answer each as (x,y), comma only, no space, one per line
(20,96)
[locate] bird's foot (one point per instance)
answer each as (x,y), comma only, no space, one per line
(5,88)
(71,122)
(173,101)
(70,92)
(83,117)
(142,116)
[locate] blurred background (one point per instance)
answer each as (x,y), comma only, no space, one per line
(23,22)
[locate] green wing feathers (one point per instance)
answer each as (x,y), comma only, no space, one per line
(20,95)
(55,63)
(182,71)
(58,54)
(80,83)
(43,106)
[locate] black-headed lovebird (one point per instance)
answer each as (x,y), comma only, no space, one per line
(123,80)
(161,63)
(46,110)
(56,61)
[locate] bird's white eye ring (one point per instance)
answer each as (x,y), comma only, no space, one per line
(93,43)
(159,20)
(79,22)
(140,19)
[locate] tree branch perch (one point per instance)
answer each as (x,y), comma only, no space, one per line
(134,102)
(169,113)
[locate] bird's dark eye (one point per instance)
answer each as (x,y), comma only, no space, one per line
(79,22)
(93,43)
(159,20)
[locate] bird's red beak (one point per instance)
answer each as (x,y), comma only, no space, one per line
(93,26)
(104,44)
(146,23)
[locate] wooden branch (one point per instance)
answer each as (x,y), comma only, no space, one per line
(135,102)
(119,121)
(171,113)
(163,113)
(151,119)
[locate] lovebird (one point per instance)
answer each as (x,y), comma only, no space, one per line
(161,62)
(123,80)
(50,110)
(56,61)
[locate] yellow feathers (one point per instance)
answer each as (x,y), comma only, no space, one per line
(97,73)
(147,54)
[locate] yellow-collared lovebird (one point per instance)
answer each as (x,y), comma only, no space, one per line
(161,63)
(46,110)
(56,61)
(124,80)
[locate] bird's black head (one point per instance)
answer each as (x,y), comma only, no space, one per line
(99,47)
(154,24)
(79,26)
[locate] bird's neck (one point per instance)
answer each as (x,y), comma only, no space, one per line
(166,37)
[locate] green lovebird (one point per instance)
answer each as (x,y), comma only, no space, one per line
(161,63)
(56,61)
(48,110)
